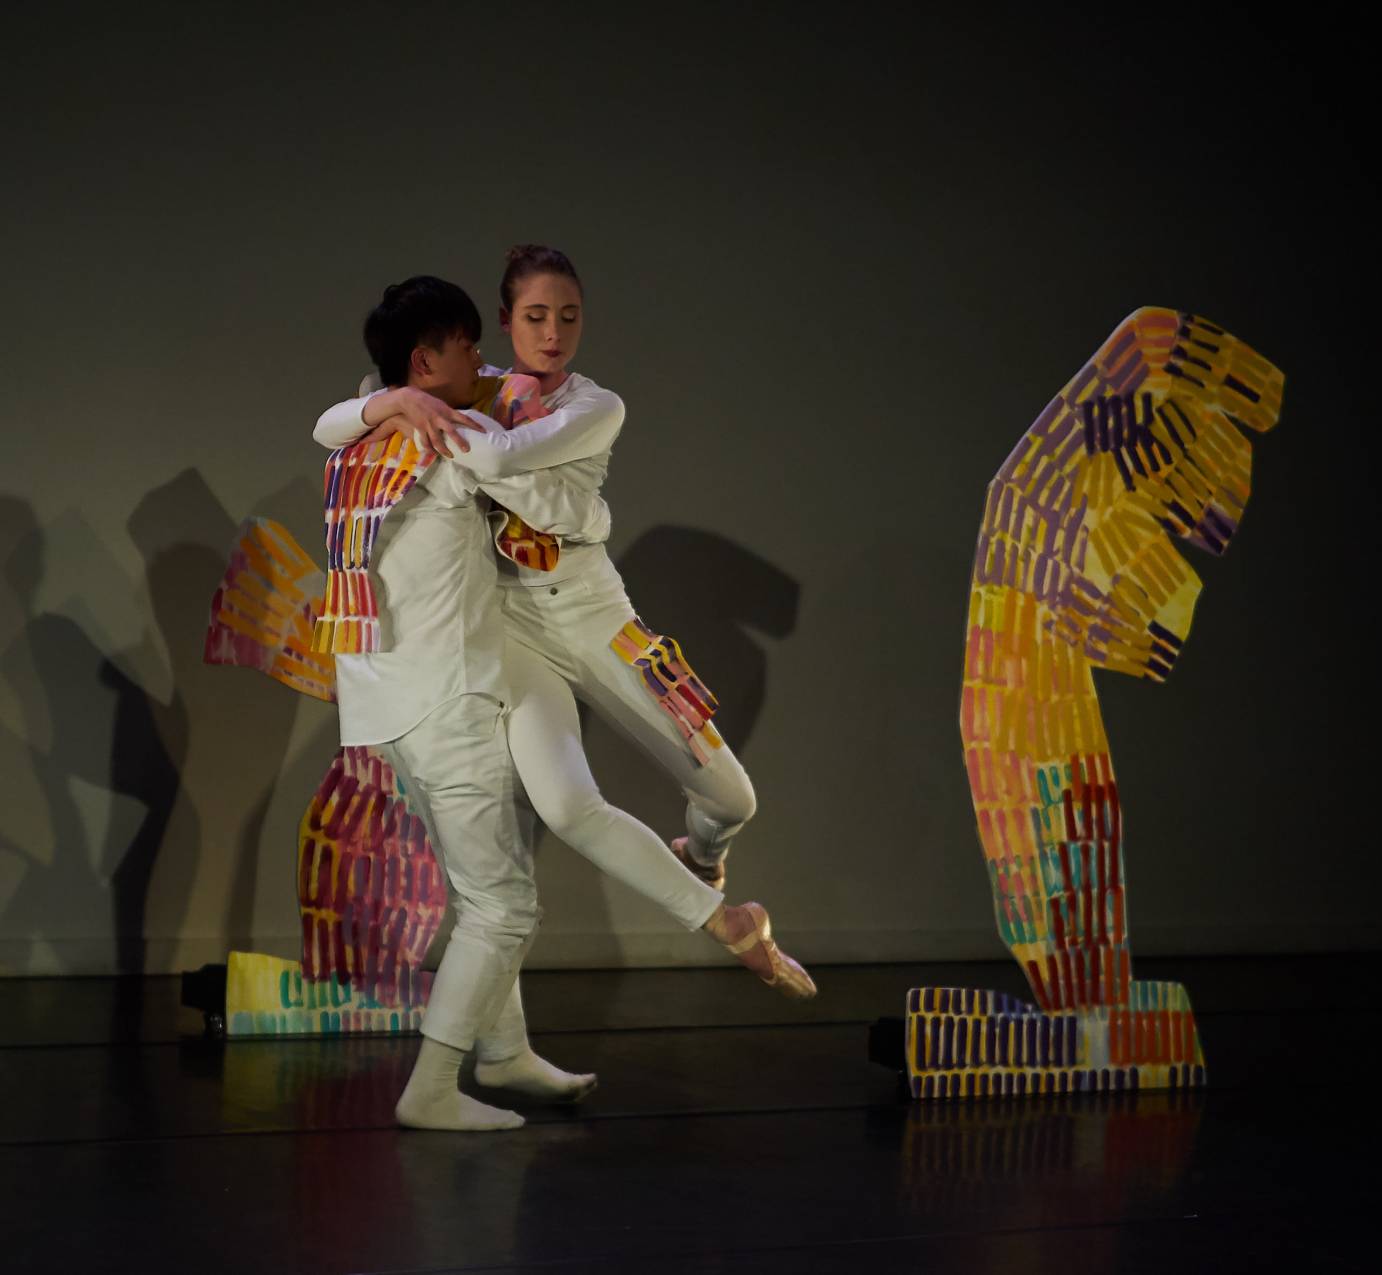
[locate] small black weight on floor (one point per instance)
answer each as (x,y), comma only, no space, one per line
(887,1043)
(205,989)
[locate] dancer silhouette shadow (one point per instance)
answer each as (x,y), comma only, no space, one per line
(102,738)
(712,594)
(96,748)
(182,532)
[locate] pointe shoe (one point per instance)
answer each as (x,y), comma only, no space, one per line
(712,874)
(786,974)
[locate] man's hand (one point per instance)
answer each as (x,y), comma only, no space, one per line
(430,423)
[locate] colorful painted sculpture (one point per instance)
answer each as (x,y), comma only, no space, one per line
(1077,569)
(265,609)
(370,894)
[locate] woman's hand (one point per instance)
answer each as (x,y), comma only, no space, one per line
(430,423)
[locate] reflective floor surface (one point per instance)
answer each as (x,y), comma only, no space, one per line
(732,1132)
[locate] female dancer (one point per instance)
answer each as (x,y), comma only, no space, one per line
(573,634)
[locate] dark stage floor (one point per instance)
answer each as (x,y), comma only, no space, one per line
(732,1132)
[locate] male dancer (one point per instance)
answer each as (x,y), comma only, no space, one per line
(431,699)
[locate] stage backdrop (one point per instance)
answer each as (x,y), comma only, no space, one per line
(835,267)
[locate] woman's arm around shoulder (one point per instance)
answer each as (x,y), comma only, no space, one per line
(585,425)
(432,424)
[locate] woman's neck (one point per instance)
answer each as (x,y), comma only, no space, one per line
(547,381)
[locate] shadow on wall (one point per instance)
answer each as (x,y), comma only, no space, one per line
(120,847)
(87,726)
(183,533)
(708,592)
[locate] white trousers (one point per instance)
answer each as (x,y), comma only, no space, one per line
(459,779)
(559,651)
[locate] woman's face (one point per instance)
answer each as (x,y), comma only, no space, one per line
(544,324)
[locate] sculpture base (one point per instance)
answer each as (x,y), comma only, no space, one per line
(962,1043)
(268,996)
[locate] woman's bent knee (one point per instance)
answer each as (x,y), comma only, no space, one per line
(745,805)
(728,798)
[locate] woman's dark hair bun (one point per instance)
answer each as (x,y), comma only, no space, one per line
(526,259)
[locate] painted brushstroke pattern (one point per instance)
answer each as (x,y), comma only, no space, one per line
(1077,568)
(519,401)
(263,611)
(362,483)
(371,893)
(666,676)
(365,480)
(370,898)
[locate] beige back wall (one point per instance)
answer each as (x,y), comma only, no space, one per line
(834,271)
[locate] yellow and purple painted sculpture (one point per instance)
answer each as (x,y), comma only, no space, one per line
(1077,569)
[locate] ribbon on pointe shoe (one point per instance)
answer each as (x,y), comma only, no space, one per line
(788,976)
(713,874)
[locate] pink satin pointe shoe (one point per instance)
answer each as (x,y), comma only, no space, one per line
(713,875)
(784,973)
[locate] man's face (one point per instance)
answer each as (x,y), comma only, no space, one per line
(451,372)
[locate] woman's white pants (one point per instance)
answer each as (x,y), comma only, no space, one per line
(456,769)
(559,651)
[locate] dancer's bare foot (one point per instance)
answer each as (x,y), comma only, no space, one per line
(712,874)
(746,931)
(534,1077)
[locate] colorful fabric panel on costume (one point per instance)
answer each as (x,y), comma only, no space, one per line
(671,681)
(517,541)
(264,609)
(519,401)
(362,483)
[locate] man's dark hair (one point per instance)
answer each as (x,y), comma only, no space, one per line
(423,310)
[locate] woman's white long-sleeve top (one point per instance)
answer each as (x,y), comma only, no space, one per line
(577,436)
